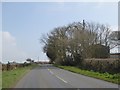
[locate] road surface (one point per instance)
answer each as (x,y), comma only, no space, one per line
(48,76)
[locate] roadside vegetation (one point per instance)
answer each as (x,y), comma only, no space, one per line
(114,78)
(0,79)
(71,45)
(11,77)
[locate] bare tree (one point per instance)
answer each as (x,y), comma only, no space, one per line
(71,43)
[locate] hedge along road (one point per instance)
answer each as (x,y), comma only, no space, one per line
(48,76)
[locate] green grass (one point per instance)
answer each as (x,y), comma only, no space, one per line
(9,78)
(0,79)
(103,76)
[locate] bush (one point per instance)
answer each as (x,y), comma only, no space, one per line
(102,65)
(98,51)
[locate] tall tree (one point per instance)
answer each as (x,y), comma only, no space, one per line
(70,44)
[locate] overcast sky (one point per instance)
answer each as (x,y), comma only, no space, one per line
(24,23)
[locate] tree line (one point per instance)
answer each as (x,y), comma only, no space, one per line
(71,44)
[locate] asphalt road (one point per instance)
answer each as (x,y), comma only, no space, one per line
(48,76)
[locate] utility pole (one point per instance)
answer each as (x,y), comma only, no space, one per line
(83,24)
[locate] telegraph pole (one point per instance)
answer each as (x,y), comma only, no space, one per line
(83,24)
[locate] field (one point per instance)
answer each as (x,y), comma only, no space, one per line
(0,79)
(9,78)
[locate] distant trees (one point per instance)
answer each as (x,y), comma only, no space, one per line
(69,45)
(29,60)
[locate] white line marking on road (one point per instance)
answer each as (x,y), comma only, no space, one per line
(57,76)
(50,71)
(61,79)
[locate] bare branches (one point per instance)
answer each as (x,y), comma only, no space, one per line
(74,41)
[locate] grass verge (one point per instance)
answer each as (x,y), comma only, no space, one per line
(9,78)
(114,78)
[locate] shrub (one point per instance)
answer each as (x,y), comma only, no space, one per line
(102,65)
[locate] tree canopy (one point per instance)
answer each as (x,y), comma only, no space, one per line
(69,45)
